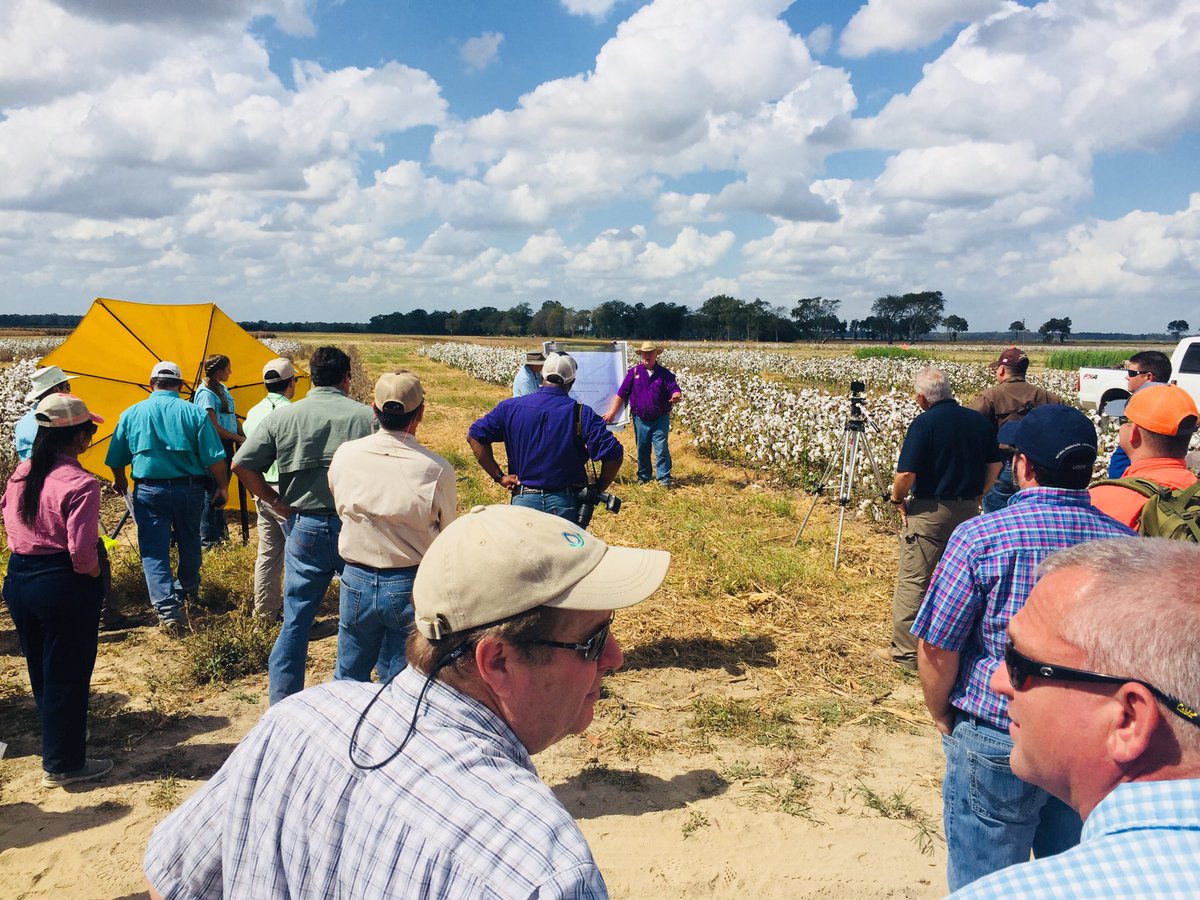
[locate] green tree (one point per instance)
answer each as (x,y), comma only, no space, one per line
(910,315)
(1052,327)
(1017,328)
(816,318)
(1178,328)
(955,325)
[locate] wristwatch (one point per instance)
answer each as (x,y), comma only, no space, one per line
(896,502)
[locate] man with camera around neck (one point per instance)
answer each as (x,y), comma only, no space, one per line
(548,438)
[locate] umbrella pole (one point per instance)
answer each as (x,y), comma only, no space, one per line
(245,514)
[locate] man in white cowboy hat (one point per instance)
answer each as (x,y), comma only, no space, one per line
(44,382)
(651,391)
(425,786)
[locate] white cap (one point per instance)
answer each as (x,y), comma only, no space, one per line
(278,369)
(166,369)
(500,561)
(559,369)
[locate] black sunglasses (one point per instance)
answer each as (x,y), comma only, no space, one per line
(1134,373)
(1021,668)
(591,648)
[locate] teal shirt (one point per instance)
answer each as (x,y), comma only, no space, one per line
(302,438)
(24,433)
(164,436)
(254,418)
(206,398)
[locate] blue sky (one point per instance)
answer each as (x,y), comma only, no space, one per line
(342,159)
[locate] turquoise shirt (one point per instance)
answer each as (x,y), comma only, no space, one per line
(206,398)
(24,433)
(302,438)
(164,436)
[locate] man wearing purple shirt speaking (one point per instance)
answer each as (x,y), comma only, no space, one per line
(651,391)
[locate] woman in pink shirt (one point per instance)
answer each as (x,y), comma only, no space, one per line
(51,509)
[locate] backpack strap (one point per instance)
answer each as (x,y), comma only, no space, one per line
(1143,486)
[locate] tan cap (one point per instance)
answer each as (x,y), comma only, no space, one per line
(500,561)
(535,358)
(400,389)
(648,347)
(46,379)
(559,369)
(166,369)
(63,411)
(278,369)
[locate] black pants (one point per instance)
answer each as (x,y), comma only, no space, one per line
(57,615)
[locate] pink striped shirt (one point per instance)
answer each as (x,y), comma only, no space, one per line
(68,515)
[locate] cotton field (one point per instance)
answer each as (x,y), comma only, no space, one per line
(792,433)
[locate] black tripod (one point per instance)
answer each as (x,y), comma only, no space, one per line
(854,435)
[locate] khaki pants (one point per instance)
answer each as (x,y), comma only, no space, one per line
(268,567)
(922,542)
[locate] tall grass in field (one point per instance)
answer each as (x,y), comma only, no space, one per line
(1068,360)
(889,353)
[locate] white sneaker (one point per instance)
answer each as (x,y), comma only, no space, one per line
(92,768)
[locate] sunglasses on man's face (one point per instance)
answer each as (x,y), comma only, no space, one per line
(590,648)
(1134,373)
(1021,669)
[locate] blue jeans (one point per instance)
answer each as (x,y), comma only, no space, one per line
(653,434)
(56,612)
(376,617)
(213,527)
(992,818)
(1002,490)
(557,503)
(310,560)
(159,510)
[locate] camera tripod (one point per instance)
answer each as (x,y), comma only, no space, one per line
(854,436)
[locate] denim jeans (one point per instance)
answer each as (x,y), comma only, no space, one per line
(653,434)
(376,617)
(160,510)
(992,818)
(56,612)
(1002,490)
(557,503)
(213,527)
(310,560)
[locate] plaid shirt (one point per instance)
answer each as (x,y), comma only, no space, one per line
(1142,840)
(460,813)
(985,576)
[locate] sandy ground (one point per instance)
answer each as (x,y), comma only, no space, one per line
(696,817)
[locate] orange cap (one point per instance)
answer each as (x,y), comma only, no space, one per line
(1162,408)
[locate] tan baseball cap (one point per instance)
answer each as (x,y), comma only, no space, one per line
(500,561)
(63,411)
(278,369)
(400,389)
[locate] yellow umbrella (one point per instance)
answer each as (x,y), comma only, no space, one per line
(116,344)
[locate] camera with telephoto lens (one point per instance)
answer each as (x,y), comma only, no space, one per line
(589,499)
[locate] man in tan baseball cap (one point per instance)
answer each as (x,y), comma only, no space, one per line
(394,497)
(513,612)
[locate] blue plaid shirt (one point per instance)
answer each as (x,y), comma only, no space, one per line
(1142,840)
(985,576)
(460,813)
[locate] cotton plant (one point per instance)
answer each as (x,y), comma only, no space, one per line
(14,385)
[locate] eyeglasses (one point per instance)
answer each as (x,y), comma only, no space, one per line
(1134,373)
(1021,668)
(591,648)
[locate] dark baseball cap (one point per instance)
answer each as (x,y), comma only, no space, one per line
(1058,437)
(1013,357)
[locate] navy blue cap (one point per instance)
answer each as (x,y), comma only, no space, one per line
(1057,437)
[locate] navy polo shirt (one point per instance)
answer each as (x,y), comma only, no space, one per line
(948,448)
(538,435)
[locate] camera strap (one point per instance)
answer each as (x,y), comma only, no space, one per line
(577,430)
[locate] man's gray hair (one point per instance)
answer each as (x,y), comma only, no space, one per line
(933,385)
(1140,616)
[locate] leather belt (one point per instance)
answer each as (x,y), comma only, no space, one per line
(182,479)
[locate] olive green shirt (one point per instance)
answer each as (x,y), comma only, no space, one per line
(301,438)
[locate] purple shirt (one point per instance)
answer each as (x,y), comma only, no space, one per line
(986,575)
(68,515)
(538,431)
(648,391)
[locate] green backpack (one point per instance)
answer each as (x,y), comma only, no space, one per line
(1169,512)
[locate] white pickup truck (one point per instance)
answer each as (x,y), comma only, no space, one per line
(1099,386)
